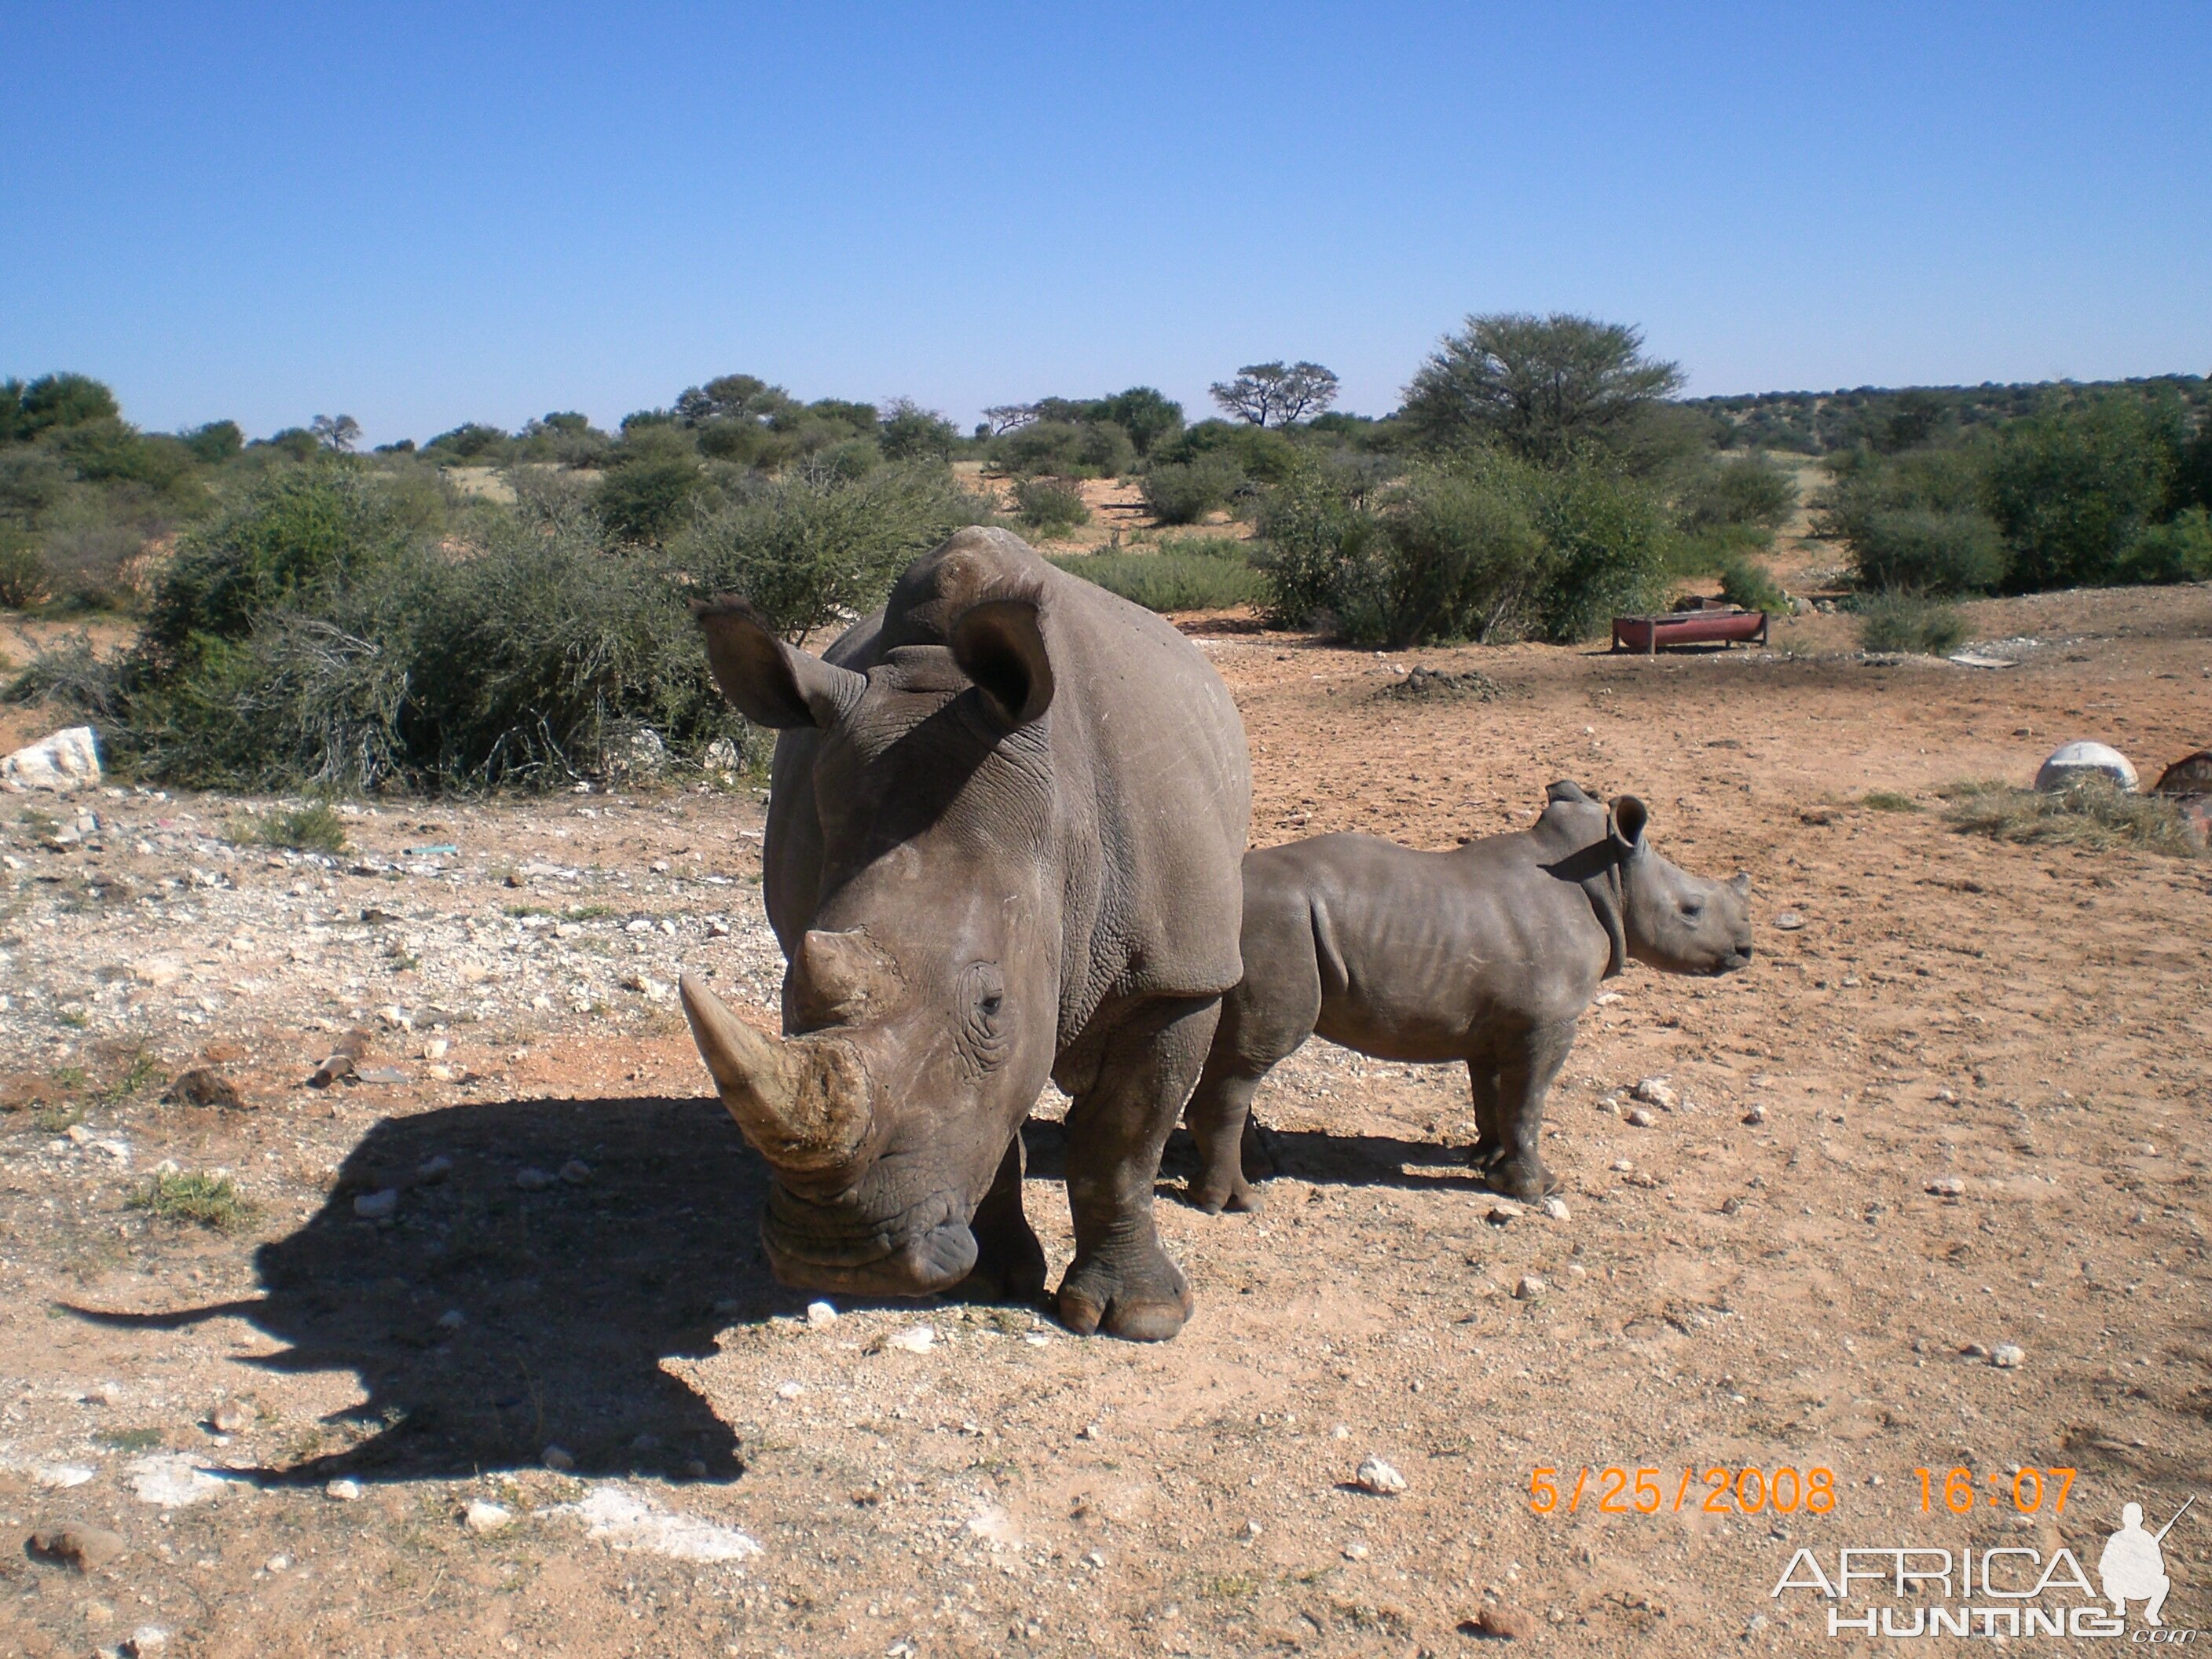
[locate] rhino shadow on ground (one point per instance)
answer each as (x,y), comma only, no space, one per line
(569,1295)
(1309,1155)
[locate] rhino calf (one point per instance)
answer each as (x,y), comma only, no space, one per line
(1487,954)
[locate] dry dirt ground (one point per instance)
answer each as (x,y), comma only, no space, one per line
(1963,1104)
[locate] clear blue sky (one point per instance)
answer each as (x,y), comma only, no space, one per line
(423,214)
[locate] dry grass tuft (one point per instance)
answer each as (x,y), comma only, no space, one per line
(2089,814)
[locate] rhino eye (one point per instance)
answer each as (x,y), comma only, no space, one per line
(1693,908)
(982,1035)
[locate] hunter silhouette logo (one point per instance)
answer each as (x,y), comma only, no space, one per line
(2133,1566)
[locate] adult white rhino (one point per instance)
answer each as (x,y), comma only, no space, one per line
(1004,836)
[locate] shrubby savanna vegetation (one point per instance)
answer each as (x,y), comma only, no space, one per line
(507,607)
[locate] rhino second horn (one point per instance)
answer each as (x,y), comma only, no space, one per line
(802,1102)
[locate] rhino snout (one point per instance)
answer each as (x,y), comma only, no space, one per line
(840,1247)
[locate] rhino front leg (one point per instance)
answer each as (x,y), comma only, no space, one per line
(1009,1264)
(1524,1080)
(1121,1282)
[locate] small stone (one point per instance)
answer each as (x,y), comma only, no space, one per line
(435,1048)
(146,1640)
(1528,1289)
(1788,921)
(576,1172)
(375,1206)
(1355,1552)
(1094,1560)
(531,1179)
(821,1313)
(1974,1351)
(79,1545)
(451,1320)
(436,1168)
(1947,1187)
(1504,1213)
(1756,1114)
(1655,1091)
(1638,1118)
(277,1564)
(1503,1623)
(1253,1529)
(789,1390)
(1622,1166)
(343,1490)
(481,1517)
(231,1417)
(918,1338)
(1088,1431)
(559,1459)
(1555,1208)
(1376,1475)
(2009,1357)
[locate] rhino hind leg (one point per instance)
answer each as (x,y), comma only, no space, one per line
(1524,1080)
(1009,1265)
(1489,1149)
(1121,1281)
(1220,1119)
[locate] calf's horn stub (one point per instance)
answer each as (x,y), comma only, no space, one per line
(802,1102)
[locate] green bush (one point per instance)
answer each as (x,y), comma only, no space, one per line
(810,547)
(313,829)
(1478,545)
(1263,453)
(292,532)
(1910,623)
(1050,507)
(2178,551)
(2073,489)
(1184,492)
(1192,573)
(1751,491)
(644,498)
(23,577)
(911,432)
(1065,449)
(1928,552)
(1746,583)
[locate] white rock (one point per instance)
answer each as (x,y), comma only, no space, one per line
(1655,1091)
(1378,1476)
(576,1172)
(451,1320)
(172,1480)
(231,1417)
(158,970)
(377,1206)
(59,1477)
(1947,1187)
(2073,762)
(629,1519)
(342,1490)
(532,1179)
(1638,1118)
(1555,1208)
(789,1390)
(483,1517)
(62,761)
(821,1313)
(145,1640)
(1530,1288)
(1756,1114)
(918,1338)
(2009,1357)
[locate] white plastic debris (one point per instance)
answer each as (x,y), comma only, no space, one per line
(62,762)
(2072,762)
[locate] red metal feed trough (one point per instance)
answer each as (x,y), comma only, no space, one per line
(1648,634)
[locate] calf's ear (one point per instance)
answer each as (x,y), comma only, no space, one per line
(1000,645)
(1629,817)
(770,683)
(1741,883)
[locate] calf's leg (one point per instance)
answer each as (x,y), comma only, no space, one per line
(1525,1071)
(1121,1281)
(1010,1263)
(1219,1116)
(1264,1021)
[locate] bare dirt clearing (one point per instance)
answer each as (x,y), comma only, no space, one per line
(1963,1104)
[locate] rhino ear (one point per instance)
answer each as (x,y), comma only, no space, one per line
(1565,789)
(1000,645)
(770,683)
(1629,818)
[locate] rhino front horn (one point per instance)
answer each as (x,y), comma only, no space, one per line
(802,1102)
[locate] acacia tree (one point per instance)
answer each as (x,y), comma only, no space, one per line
(1276,394)
(1543,386)
(336,433)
